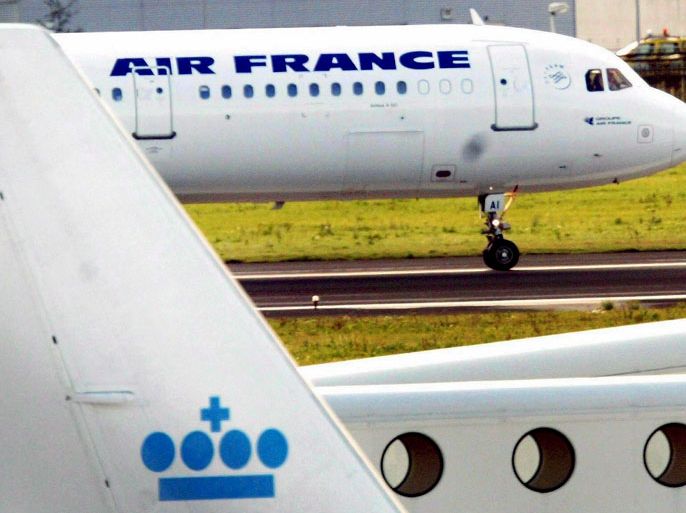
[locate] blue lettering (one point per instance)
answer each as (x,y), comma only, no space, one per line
(327,61)
(245,63)
(453,59)
(164,65)
(384,61)
(187,65)
(411,60)
(123,67)
(418,60)
(281,63)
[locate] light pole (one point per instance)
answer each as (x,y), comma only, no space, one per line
(554,9)
(638,21)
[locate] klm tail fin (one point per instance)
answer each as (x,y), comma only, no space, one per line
(136,375)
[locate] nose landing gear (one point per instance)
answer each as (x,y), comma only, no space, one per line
(500,254)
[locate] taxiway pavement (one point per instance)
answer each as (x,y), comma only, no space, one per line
(443,284)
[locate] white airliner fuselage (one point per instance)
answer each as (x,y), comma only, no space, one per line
(355,112)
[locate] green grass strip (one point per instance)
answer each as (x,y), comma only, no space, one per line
(326,339)
(644,214)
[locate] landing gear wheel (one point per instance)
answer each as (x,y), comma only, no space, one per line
(501,254)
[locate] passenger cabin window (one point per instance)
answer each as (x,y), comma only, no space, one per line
(668,48)
(357,88)
(594,80)
(402,87)
(226,92)
(248,91)
(204,92)
(117,95)
(644,49)
(380,88)
(270,91)
(335,89)
(292,90)
(616,81)
(314,89)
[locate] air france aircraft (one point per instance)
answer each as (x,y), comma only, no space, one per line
(137,377)
(360,112)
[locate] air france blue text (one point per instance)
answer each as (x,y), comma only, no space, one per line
(297,63)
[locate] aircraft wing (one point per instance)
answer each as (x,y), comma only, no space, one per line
(651,348)
(136,375)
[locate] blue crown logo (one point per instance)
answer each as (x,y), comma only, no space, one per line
(197,451)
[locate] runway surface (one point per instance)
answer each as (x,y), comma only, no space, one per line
(444,284)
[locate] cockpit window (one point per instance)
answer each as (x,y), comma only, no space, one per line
(616,81)
(594,80)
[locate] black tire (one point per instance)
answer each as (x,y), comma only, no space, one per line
(501,255)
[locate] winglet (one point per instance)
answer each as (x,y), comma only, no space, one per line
(135,373)
(476,19)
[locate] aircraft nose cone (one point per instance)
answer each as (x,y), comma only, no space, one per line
(679,148)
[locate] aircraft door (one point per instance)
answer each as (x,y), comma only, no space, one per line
(153,105)
(514,95)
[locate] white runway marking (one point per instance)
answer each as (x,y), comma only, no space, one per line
(428,272)
(508,303)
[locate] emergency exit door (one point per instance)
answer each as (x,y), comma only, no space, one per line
(514,95)
(153,105)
